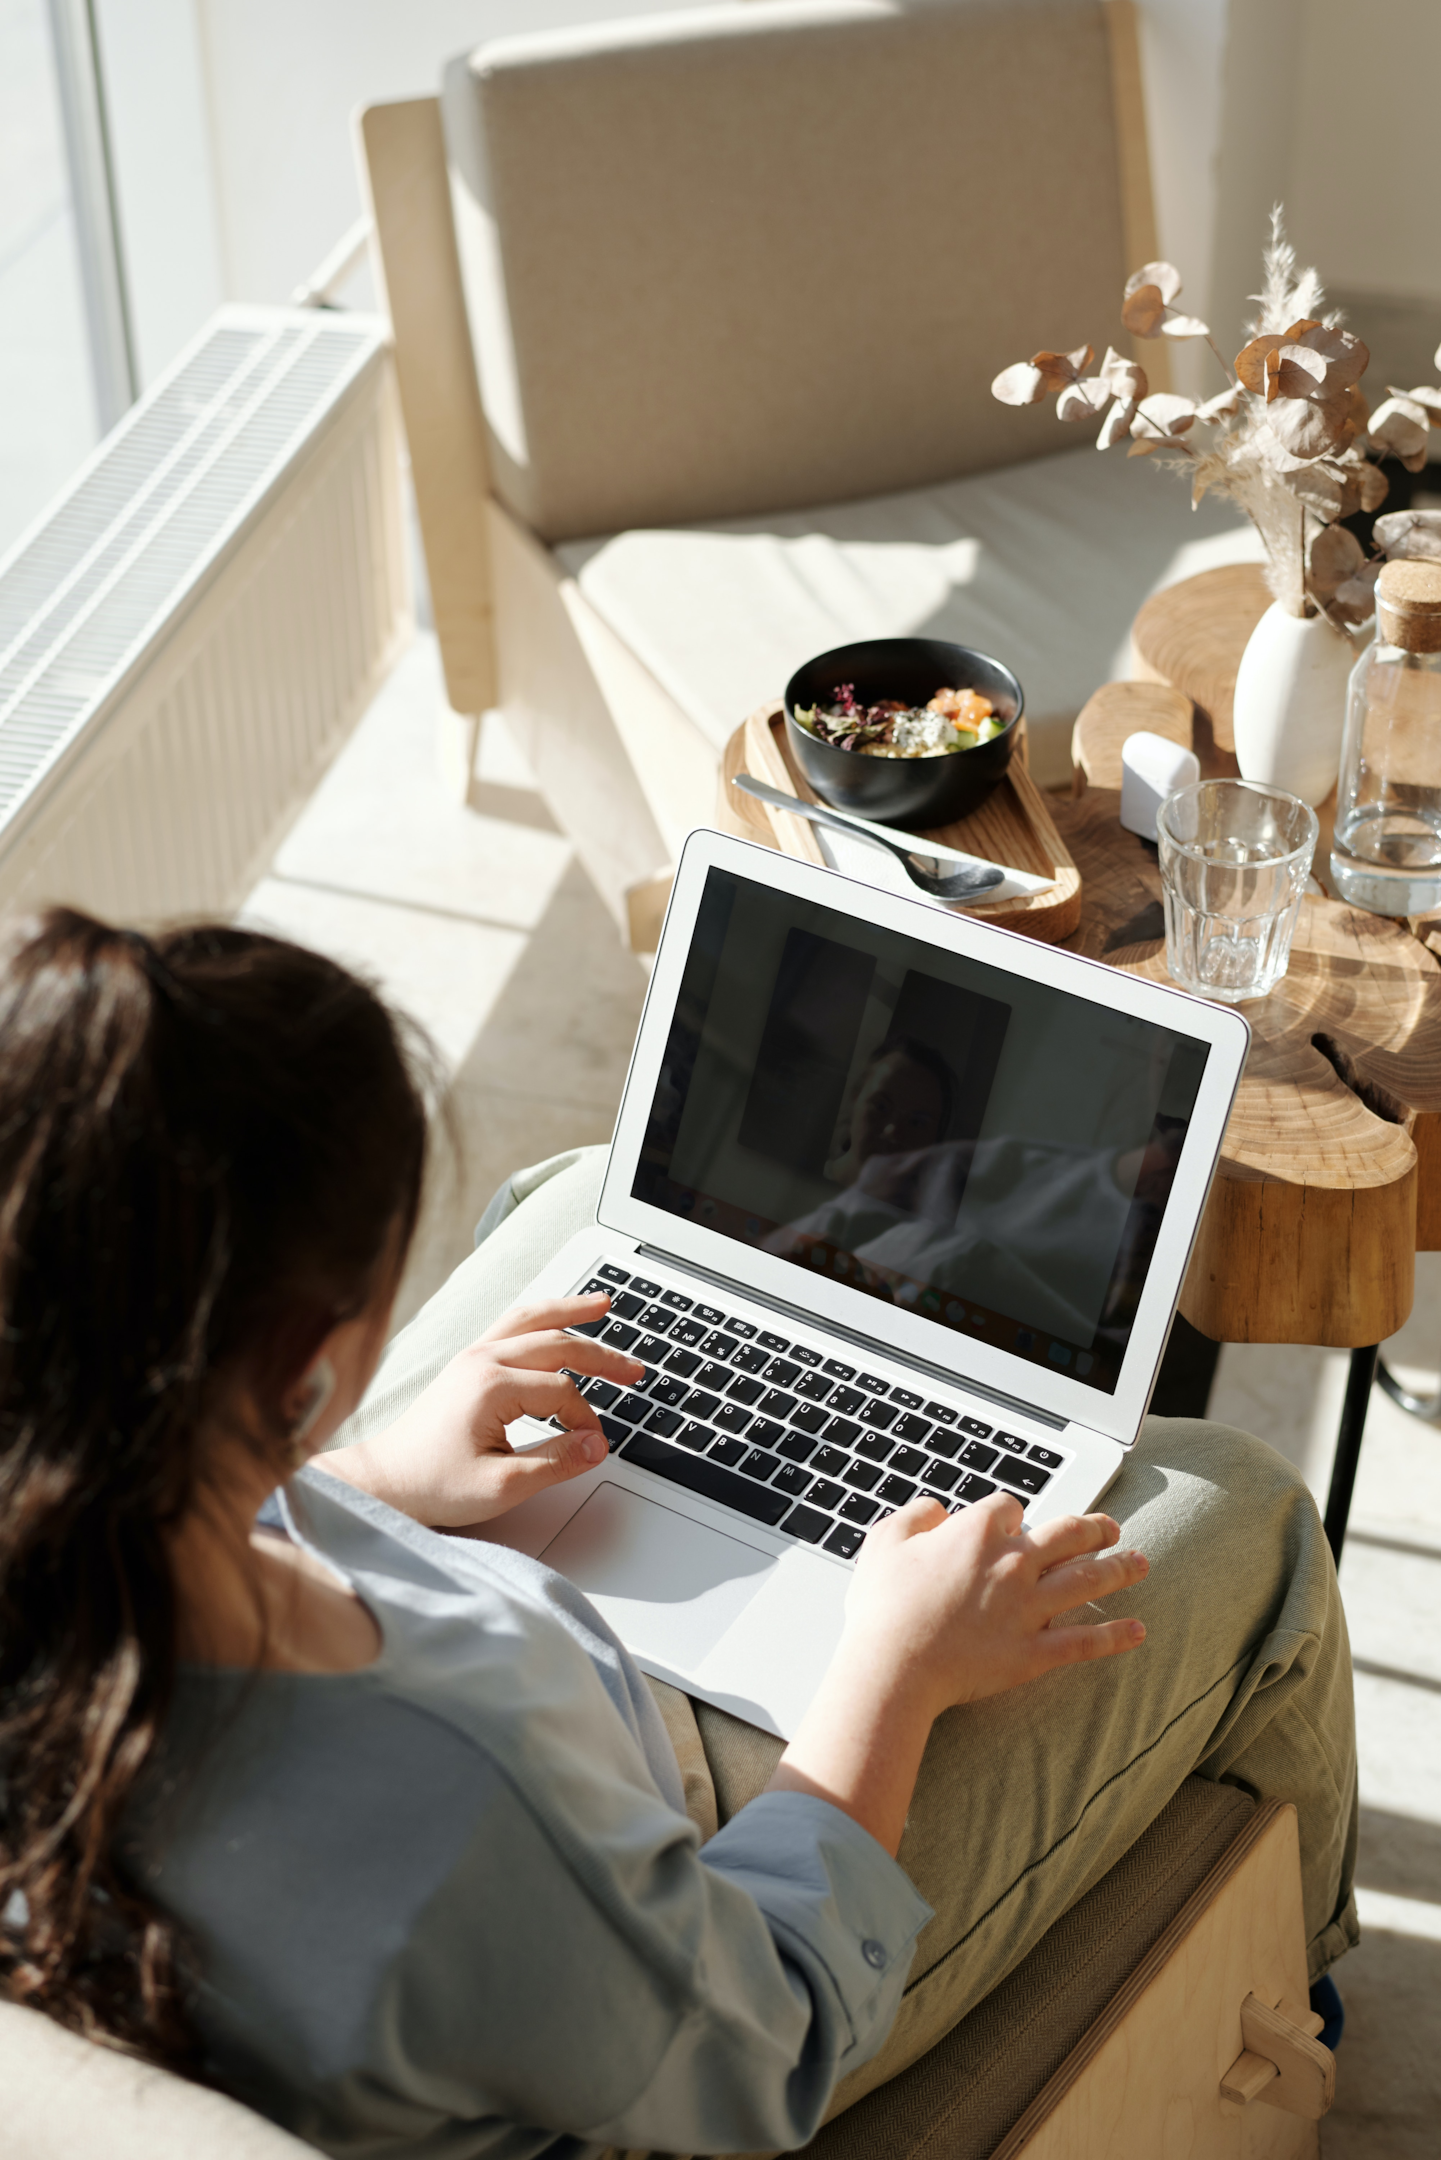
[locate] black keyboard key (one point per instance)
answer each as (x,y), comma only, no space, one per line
(863,1476)
(627,1305)
(841,1432)
(730,1452)
(714,1376)
(943,1476)
(792,1479)
(774,1342)
(613,1274)
(1023,1477)
(878,1414)
(600,1394)
(717,1345)
(824,1494)
(808,1417)
(814,1386)
(781,1373)
(704,1475)
(743,1389)
(929,1492)
(796,1446)
(847,1400)
(751,1358)
(828,1462)
(759,1465)
(838,1371)
(731,1418)
(689,1332)
(696,1437)
(803,1522)
(665,1422)
(906,1462)
(742,1328)
(942,1440)
(775,1404)
(875,1446)
(651,1349)
(620,1335)
(683,1362)
(593,1286)
(975,1428)
(845,1541)
(700,1403)
(897,1491)
(906,1398)
(656,1316)
(673,1297)
(973,1488)
(586,1327)
(870,1383)
(1011,1441)
(859,1509)
(911,1428)
(805,1357)
(668,1388)
(711,1314)
(645,1289)
(940,1413)
(766,1433)
(633,1408)
(1046,1457)
(976,1457)
(614,1431)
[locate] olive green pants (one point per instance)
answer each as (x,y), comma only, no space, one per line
(1026,1800)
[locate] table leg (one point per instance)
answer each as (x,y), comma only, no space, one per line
(1348,1445)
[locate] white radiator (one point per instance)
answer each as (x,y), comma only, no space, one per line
(189,633)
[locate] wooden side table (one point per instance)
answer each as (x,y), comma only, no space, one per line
(1331,1178)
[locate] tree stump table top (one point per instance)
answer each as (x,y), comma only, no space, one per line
(1330,1181)
(1192,636)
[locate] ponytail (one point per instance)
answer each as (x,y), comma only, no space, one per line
(207,1145)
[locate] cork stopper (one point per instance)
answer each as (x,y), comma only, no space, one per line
(1408,605)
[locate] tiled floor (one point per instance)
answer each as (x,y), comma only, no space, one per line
(480,924)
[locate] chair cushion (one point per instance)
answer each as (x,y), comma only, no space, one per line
(67,2099)
(958,2102)
(767,254)
(1042,565)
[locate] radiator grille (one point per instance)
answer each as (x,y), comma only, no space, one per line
(271,434)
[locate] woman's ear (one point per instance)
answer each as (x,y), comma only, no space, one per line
(314,1391)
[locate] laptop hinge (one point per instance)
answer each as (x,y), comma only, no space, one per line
(855,1337)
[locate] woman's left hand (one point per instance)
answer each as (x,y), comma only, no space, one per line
(447,1461)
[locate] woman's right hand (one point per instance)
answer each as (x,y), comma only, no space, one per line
(955,1607)
(944,1609)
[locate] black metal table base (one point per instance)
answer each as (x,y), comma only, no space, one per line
(1348,1445)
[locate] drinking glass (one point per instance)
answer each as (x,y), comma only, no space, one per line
(1235,858)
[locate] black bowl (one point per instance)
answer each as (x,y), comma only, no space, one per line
(914,792)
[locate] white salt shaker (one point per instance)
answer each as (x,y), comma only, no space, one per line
(1151,769)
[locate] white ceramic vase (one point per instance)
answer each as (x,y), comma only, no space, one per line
(1290,705)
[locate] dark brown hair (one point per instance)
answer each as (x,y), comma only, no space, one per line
(207,1143)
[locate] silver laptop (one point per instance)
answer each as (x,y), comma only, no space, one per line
(898,1202)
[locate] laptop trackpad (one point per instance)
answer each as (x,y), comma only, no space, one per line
(670,1587)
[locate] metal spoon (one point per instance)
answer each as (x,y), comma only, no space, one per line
(959,885)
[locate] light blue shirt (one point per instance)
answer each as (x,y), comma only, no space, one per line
(452,1904)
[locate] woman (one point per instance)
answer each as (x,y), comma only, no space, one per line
(380,1828)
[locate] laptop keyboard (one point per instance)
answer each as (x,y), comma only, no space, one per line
(808,1444)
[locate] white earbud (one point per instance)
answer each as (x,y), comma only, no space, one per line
(319,1387)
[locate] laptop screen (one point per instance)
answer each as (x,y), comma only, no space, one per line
(992,1153)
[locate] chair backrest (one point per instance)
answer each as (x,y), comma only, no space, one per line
(769,254)
(63,2098)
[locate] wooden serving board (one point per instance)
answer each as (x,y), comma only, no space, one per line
(1013,825)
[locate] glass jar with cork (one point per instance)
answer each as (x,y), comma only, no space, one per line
(1386,855)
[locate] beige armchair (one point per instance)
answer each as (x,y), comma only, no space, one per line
(1176,1982)
(695,322)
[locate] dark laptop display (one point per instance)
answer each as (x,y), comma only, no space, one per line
(994,1155)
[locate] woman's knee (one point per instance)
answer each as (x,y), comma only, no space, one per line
(1214,1489)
